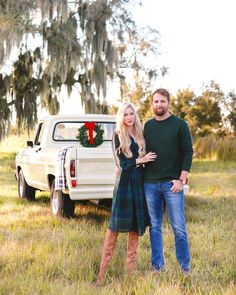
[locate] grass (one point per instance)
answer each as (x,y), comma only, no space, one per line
(40,254)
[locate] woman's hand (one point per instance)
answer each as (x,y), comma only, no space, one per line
(150,157)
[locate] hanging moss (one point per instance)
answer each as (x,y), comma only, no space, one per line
(5,114)
(15,22)
(82,42)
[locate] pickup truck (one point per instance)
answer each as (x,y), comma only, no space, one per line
(89,169)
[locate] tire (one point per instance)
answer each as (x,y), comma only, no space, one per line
(61,204)
(24,190)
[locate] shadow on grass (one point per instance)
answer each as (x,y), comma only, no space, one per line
(83,209)
(91,212)
(42,200)
(94,217)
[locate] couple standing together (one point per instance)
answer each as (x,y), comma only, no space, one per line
(154,166)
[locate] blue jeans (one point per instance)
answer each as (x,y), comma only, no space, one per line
(156,193)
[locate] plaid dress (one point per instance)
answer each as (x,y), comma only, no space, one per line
(129,208)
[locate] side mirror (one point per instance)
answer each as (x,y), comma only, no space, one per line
(29,143)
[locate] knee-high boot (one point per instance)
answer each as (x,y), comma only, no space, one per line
(132,245)
(107,252)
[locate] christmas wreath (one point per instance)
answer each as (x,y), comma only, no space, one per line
(85,135)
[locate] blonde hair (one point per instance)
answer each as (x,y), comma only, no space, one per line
(123,134)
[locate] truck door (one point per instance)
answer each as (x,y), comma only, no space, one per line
(33,168)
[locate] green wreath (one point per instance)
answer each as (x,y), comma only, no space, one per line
(84,138)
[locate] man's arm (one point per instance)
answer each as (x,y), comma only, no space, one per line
(186,150)
(187,154)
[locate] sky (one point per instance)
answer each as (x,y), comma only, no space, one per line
(198,44)
(198,41)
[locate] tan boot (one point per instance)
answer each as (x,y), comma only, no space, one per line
(107,252)
(132,245)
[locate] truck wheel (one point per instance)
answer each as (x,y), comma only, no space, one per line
(24,190)
(61,204)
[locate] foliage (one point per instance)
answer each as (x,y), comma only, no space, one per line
(204,112)
(182,103)
(5,112)
(230,105)
(204,116)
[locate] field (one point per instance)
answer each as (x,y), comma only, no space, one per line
(40,254)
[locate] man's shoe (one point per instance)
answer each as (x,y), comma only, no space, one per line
(186,272)
(157,270)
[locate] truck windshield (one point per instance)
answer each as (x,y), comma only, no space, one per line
(68,131)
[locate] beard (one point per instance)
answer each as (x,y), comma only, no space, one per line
(160,111)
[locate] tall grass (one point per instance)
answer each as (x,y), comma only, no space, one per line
(215,148)
(40,254)
(14,142)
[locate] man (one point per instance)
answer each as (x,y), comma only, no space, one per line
(170,138)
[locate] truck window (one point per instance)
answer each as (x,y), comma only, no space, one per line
(68,131)
(39,134)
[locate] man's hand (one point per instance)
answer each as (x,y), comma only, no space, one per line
(184,176)
(177,186)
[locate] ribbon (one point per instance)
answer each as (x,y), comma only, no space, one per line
(90,126)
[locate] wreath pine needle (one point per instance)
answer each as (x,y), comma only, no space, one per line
(84,138)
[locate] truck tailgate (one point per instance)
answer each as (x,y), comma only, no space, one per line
(94,166)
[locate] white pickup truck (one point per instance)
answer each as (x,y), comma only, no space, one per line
(89,169)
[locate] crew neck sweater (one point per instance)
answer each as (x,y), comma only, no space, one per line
(171,140)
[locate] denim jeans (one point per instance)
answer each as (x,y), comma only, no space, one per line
(156,194)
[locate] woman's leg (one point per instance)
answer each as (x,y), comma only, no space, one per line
(132,245)
(107,252)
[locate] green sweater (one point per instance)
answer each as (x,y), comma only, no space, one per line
(171,140)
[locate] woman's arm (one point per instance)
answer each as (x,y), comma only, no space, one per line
(122,161)
(129,163)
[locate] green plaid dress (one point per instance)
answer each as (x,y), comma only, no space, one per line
(129,208)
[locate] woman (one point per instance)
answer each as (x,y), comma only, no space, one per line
(129,210)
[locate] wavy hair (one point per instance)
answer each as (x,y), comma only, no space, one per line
(123,134)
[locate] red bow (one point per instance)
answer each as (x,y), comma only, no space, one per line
(90,126)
